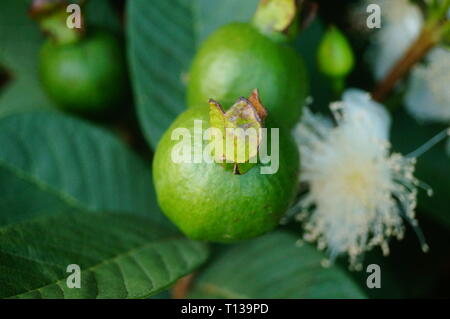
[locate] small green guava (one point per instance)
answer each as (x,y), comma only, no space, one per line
(87,76)
(209,202)
(237,58)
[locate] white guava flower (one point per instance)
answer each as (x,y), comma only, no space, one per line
(401,25)
(358,191)
(428,96)
(359,105)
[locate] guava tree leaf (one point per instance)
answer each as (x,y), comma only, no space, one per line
(161,42)
(120,256)
(165,294)
(433,167)
(272,266)
(49,161)
(212,14)
(406,260)
(100,14)
(162,38)
(20,40)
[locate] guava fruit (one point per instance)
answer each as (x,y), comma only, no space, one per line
(209,202)
(237,58)
(86,76)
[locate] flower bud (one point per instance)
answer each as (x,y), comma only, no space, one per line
(335,55)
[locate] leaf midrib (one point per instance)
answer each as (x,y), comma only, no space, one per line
(45,187)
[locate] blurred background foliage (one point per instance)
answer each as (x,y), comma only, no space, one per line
(160,38)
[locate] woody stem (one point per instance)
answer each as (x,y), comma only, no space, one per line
(420,47)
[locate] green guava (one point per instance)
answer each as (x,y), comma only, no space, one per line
(87,76)
(208,202)
(238,58)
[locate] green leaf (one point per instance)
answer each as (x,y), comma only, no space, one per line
(212,14)
(120,256)
(100,14)
(162,38)
(161,45)
(272,266)
(20,40)
(51,162)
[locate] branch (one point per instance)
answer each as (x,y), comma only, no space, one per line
(420,47)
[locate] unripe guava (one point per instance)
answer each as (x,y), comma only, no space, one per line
(87,76)
(208,202)
(237,58)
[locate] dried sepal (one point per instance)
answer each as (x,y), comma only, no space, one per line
(239,129)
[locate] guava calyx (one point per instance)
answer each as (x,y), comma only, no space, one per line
(232,127)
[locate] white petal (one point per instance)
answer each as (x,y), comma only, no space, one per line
(402,22)
(428,94)
(371,114)
(356,187)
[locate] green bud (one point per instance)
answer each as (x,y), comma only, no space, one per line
(335,56)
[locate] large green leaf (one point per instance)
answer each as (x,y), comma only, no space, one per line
(212,14)
(49,161)
(161,45)
(272,266)
(100,14)
(120,256)
(162,37)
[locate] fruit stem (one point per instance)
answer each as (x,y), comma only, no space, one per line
(236,169)
(435,30)
(414,54)
(181,288)
(277,19)
(338,85)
